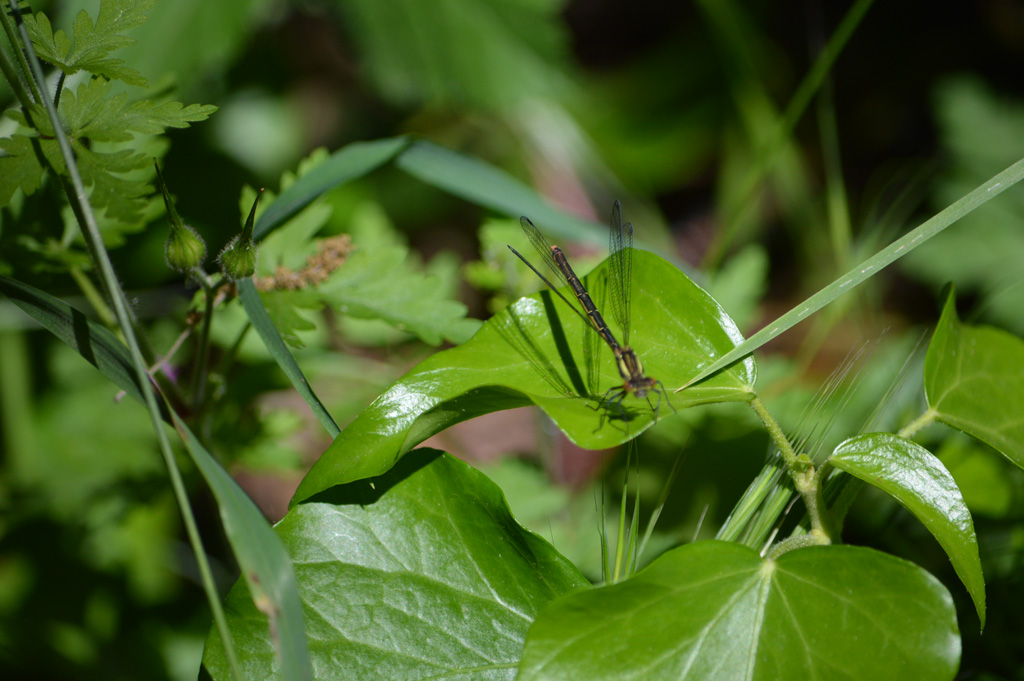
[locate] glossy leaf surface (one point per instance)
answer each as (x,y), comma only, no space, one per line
(974,381)
(420,573)
(914,477)
(538,351)
(716,611)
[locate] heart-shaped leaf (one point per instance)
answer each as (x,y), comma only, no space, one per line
(717,611)
(974,381)
(420,573)
(914,477)
(538,351)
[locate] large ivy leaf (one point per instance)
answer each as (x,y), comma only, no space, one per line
(974,381)
(914,477)
(421,573)
(538,351)
(484,52)
(716,611)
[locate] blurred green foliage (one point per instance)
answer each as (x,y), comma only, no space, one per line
(584,100)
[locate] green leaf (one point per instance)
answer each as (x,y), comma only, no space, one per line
(421,573)
(261,557)
(117,171)
(716,611)
(974,381)
(92,43)
(485,185)
(274,343)
(90,112)
(348,163)
(483,52)
(539,351)
(95,343)
(914,477)
(382,283)
(20,168)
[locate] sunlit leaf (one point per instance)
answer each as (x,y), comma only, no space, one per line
(716,611)
(421,573)
(974,381)
(913,476)
(538,351)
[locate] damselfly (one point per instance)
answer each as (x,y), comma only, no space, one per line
(634,381)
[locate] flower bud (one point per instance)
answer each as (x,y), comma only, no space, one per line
(238,259)
(185,250)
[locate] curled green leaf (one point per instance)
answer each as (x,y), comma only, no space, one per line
(914,477)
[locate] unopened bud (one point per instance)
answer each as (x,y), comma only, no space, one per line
(238,259)
(185,250)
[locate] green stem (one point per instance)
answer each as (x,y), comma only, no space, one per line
(199,377)
(13,77)
(620,542)
(90,229)
(806,479)
(925,419)
(94,297)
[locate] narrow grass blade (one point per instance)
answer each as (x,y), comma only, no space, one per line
(870,267)
(487,186)
(348,163)
(279,351)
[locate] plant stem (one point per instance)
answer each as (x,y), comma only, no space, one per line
(926,419)
(806,478)
(203,349)
(93,296)
(87,221)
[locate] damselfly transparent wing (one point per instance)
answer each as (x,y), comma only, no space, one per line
(620,248)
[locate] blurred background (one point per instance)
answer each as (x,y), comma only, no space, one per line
(765,147)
